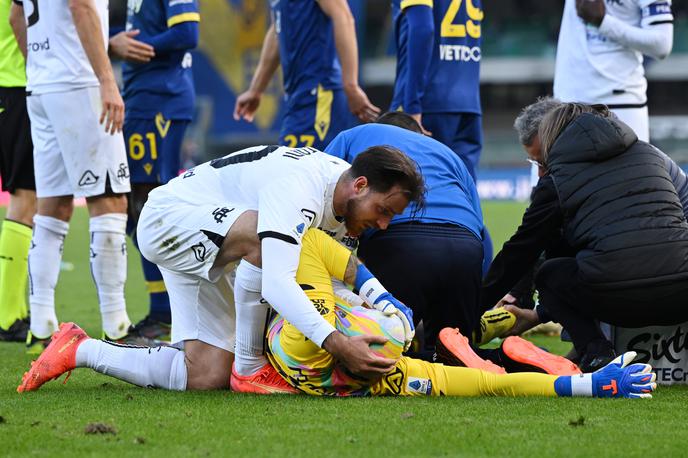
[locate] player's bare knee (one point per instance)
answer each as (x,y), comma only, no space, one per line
(60,207)
(208,367)
(106,203)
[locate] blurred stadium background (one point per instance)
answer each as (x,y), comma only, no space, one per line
(519,46)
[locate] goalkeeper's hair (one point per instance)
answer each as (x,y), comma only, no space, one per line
(399,119)
(528,121)
(385,167)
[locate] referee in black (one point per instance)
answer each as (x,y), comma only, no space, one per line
(16,170)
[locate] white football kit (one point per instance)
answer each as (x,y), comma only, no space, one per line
(605,64)
(73,155)
(183,225)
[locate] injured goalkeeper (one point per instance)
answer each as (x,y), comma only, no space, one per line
(312,370)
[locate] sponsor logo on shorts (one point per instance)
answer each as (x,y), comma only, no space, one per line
(88,178)
(188,173)
(221,213)
(199,251)
(122,171)
(162,124)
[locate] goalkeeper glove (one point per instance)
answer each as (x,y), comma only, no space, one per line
(376,296)
(617,379)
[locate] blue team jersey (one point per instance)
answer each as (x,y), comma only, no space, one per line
(452,196)
(454,73)
(165,84)
(306,45)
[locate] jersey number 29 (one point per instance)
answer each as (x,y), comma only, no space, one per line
(475,14)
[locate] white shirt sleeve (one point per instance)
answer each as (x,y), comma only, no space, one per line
(654,37)
(286,209)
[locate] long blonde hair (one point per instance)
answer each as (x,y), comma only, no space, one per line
(554,122)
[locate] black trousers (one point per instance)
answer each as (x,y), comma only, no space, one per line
(435,269)
(566,299)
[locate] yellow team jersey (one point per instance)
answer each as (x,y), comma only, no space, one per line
(12,64)
(314,371)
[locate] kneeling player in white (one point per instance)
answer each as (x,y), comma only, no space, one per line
(254,205)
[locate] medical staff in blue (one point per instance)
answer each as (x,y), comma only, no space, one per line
(431,261)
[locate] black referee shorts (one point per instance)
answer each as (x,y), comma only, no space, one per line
(16,148)
(436,269)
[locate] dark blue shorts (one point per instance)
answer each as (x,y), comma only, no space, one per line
(462,132)
(154,148)
(314,118)
(436,269)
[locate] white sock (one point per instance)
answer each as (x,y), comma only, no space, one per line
(251,317)
(109,270)
(160,367)
(45,255)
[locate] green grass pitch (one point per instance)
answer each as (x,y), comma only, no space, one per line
(143,422)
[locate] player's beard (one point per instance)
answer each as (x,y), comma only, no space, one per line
(351,220)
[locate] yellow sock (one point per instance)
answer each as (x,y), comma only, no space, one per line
(414,377)
(15,240)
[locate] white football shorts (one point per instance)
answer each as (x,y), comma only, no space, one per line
(201,310)
(182,237)
(73,155)
(184,240)
(637,119)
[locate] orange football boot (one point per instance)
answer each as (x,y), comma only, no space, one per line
(528,357)
(58,357)
(454,349)
(266,381)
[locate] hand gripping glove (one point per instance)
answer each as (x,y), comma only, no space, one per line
(376,296)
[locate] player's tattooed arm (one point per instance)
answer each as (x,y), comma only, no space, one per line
(18,24)
(351,269)
(247,103)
